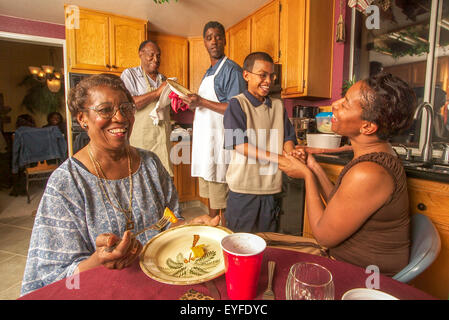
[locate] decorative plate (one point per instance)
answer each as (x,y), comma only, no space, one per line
(167,257)
(366,294)
(178,89)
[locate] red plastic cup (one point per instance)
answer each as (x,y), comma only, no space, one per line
(243,253)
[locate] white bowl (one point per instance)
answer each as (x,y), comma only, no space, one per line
(323,140)
(366,294)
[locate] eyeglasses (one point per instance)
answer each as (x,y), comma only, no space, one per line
(264,76)
(106,110)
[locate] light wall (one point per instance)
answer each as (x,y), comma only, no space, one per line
(15,57)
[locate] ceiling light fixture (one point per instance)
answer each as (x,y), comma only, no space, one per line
(47,74)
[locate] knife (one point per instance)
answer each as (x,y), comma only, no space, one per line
(213,291)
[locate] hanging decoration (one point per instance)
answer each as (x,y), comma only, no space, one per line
(341,32)
(360,5)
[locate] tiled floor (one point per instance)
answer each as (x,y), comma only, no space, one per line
(16,223)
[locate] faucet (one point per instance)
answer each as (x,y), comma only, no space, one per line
(426,152)
(408,152)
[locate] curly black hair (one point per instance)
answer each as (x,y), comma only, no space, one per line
(80,93)
(389,102)
(213,24)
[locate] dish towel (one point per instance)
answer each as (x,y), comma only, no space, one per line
(176,103)
(157,113)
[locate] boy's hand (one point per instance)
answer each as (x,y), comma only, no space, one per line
(300,154)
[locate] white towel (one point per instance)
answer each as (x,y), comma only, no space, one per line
(157,113)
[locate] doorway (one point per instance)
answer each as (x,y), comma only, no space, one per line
(17,53)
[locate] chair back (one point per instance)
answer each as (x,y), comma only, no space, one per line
(37,144)
(426,245)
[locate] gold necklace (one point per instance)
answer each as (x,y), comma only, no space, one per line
(127,212)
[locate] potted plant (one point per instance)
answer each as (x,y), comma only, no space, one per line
(39,98)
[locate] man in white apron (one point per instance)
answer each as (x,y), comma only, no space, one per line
(146,84)
(222,81)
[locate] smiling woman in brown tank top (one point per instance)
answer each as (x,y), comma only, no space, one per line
(366,220)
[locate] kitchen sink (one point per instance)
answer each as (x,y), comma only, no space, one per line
(431,168)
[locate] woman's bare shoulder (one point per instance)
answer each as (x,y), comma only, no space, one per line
(368,172)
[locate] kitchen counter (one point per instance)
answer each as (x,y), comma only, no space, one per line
(412,169)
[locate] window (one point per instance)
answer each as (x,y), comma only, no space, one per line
(412,42)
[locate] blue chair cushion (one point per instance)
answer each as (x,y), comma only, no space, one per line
(426,245)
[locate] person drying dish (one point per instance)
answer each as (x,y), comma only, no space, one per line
(101,196)
(367,219)
(146,85)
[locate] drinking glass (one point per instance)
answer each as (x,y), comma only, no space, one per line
(309,281)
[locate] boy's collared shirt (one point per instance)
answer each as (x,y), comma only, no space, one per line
(235,119)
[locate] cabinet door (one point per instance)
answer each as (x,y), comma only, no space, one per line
(293,16)
(240,41)
(88,46)
(402,71)
(265,30)
(186,185)
(174,56)
(125,37)
(199,62)
(419,74)
(332,171)
(307,38)
(431,198)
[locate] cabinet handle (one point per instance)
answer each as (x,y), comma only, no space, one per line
(114,66)
(422,207)
(108,66)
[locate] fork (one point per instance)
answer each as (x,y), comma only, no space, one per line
(269,294)
(159,225)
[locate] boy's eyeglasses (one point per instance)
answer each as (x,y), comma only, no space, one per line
(107,111)
(264,76)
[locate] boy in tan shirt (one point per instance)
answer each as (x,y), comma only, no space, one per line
(257,130)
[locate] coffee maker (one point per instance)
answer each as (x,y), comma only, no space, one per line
(304,121)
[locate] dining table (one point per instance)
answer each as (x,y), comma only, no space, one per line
(132,283)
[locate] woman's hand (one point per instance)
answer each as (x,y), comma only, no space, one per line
(123,255)
(307,157)
(206,219)
(294,167)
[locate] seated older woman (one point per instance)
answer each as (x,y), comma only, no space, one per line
(101,195)
(366,220)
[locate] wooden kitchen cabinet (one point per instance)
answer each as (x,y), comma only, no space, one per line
(199,62)
(104,42)
(257,32)
(186,185)
(307,37)
(174,56)
(240,41)
(415,73)
(265,30)
(430,198)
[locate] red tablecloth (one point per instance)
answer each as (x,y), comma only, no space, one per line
(132,284)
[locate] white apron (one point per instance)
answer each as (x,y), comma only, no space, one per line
(209,158)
